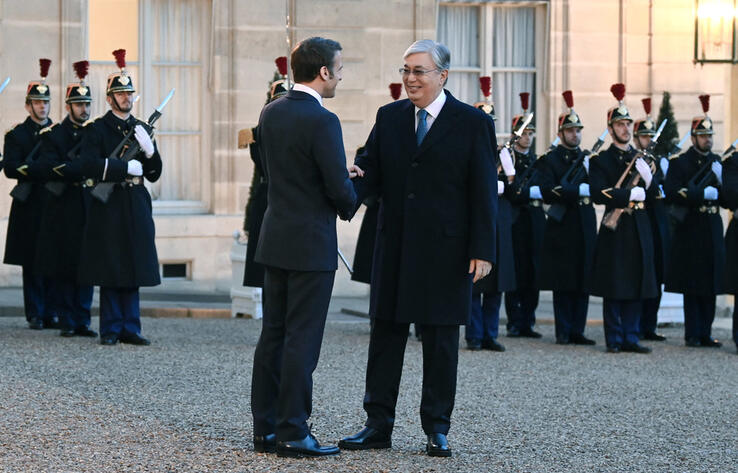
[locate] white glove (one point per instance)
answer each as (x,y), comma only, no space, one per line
(664,166)
(585,163)
(645,171)
(535,192)
(507,162)
(500,187)
(711,193)
(135,168)
(583,189)
(143,138)
(717,169)
(637,194)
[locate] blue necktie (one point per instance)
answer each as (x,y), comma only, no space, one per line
(422,126)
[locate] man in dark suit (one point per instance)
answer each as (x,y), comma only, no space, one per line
(431,160)
(308,184)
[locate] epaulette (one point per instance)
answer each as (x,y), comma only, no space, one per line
(48,128)
(12,128)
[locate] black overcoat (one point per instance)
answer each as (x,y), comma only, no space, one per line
(624,267)
(25,217)
(364,254)
(118,247)
(253,274)
(730,200)
(439,202)
(63,218)
(697,259)
(529,222)
(661,229)
(568,246)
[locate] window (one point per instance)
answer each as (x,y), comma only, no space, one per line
(491,39)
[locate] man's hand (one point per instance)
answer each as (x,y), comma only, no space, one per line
(500,187)
(479,268)
(507,162)
(717,169)
(135,168)
(355,171)
(637,194)
(583,189)
(645,171)
(144,140)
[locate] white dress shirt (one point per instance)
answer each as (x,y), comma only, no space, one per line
(433,110)
(308,90)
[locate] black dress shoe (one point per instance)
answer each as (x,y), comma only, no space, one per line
(85,332)
(36,324)
(562,341)
(613,349)
(692,342)
(367,438)
(307,447)
(513,333)
(473,345)
(108,340)
(635,348)
(579,339)
(710,342)
(134,339)
(530,334)
(437,446)
(265,443)
(653,336)
(67,332)
(492,345)
(51,323)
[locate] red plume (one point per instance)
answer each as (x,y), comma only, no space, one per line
(80,68)
(45,64)
(120,58)
(705,100)
(647,105)
(485,83)
(525,100)
(568,98)
(618,90)
(281,63)
(395,90)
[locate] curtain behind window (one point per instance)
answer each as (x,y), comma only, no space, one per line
(458,28)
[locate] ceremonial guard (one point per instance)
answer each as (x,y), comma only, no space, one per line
(644,131)
(118,251)
(697,259)
(623,273)
(63,218)
(21,151)
(484,317)
(529,222)
(568,241)
(730,197)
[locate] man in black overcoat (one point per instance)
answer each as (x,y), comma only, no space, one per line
(308,186)
(568,241)
(21,150)
(697,260)
(623,273)
(118,249)
(431,160)
(63,219)
(730,200)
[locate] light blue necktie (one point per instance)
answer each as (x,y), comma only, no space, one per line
(422,126)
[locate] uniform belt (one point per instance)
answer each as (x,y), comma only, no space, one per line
(535,202)
(709,209)
(636,205)
(133,181)
(584,201)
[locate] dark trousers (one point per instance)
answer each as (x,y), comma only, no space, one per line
(120,312)
(699,313)
(622,321)
(72,304)
(649,317)
(295,307)
(384,370)
(735,326)
(35,296)
(521,308)
(570,314)
(484,317)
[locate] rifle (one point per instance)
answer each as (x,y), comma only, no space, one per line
(612,217)
(572,176)
(730,149)
(22,190)
(515,137)
(57,188)
(103,190)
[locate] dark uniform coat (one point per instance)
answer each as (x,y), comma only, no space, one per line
(568,246)
(624,258)
(118,244)
(661,229)
(730,200)
(63,219)
(438,209)
(253,274)
(364,255)
(25,217)
(697,260)
(529,221)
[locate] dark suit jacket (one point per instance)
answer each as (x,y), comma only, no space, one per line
(439,203)
(304,162)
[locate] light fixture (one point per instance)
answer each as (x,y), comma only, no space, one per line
(715,31)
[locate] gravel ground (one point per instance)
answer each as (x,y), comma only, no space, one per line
(182,404)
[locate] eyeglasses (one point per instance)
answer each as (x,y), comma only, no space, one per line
(419,73)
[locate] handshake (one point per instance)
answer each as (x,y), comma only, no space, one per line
(355,171)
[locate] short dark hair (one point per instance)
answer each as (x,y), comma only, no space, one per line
(310,55)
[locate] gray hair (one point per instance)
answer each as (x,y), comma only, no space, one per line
(439,53)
